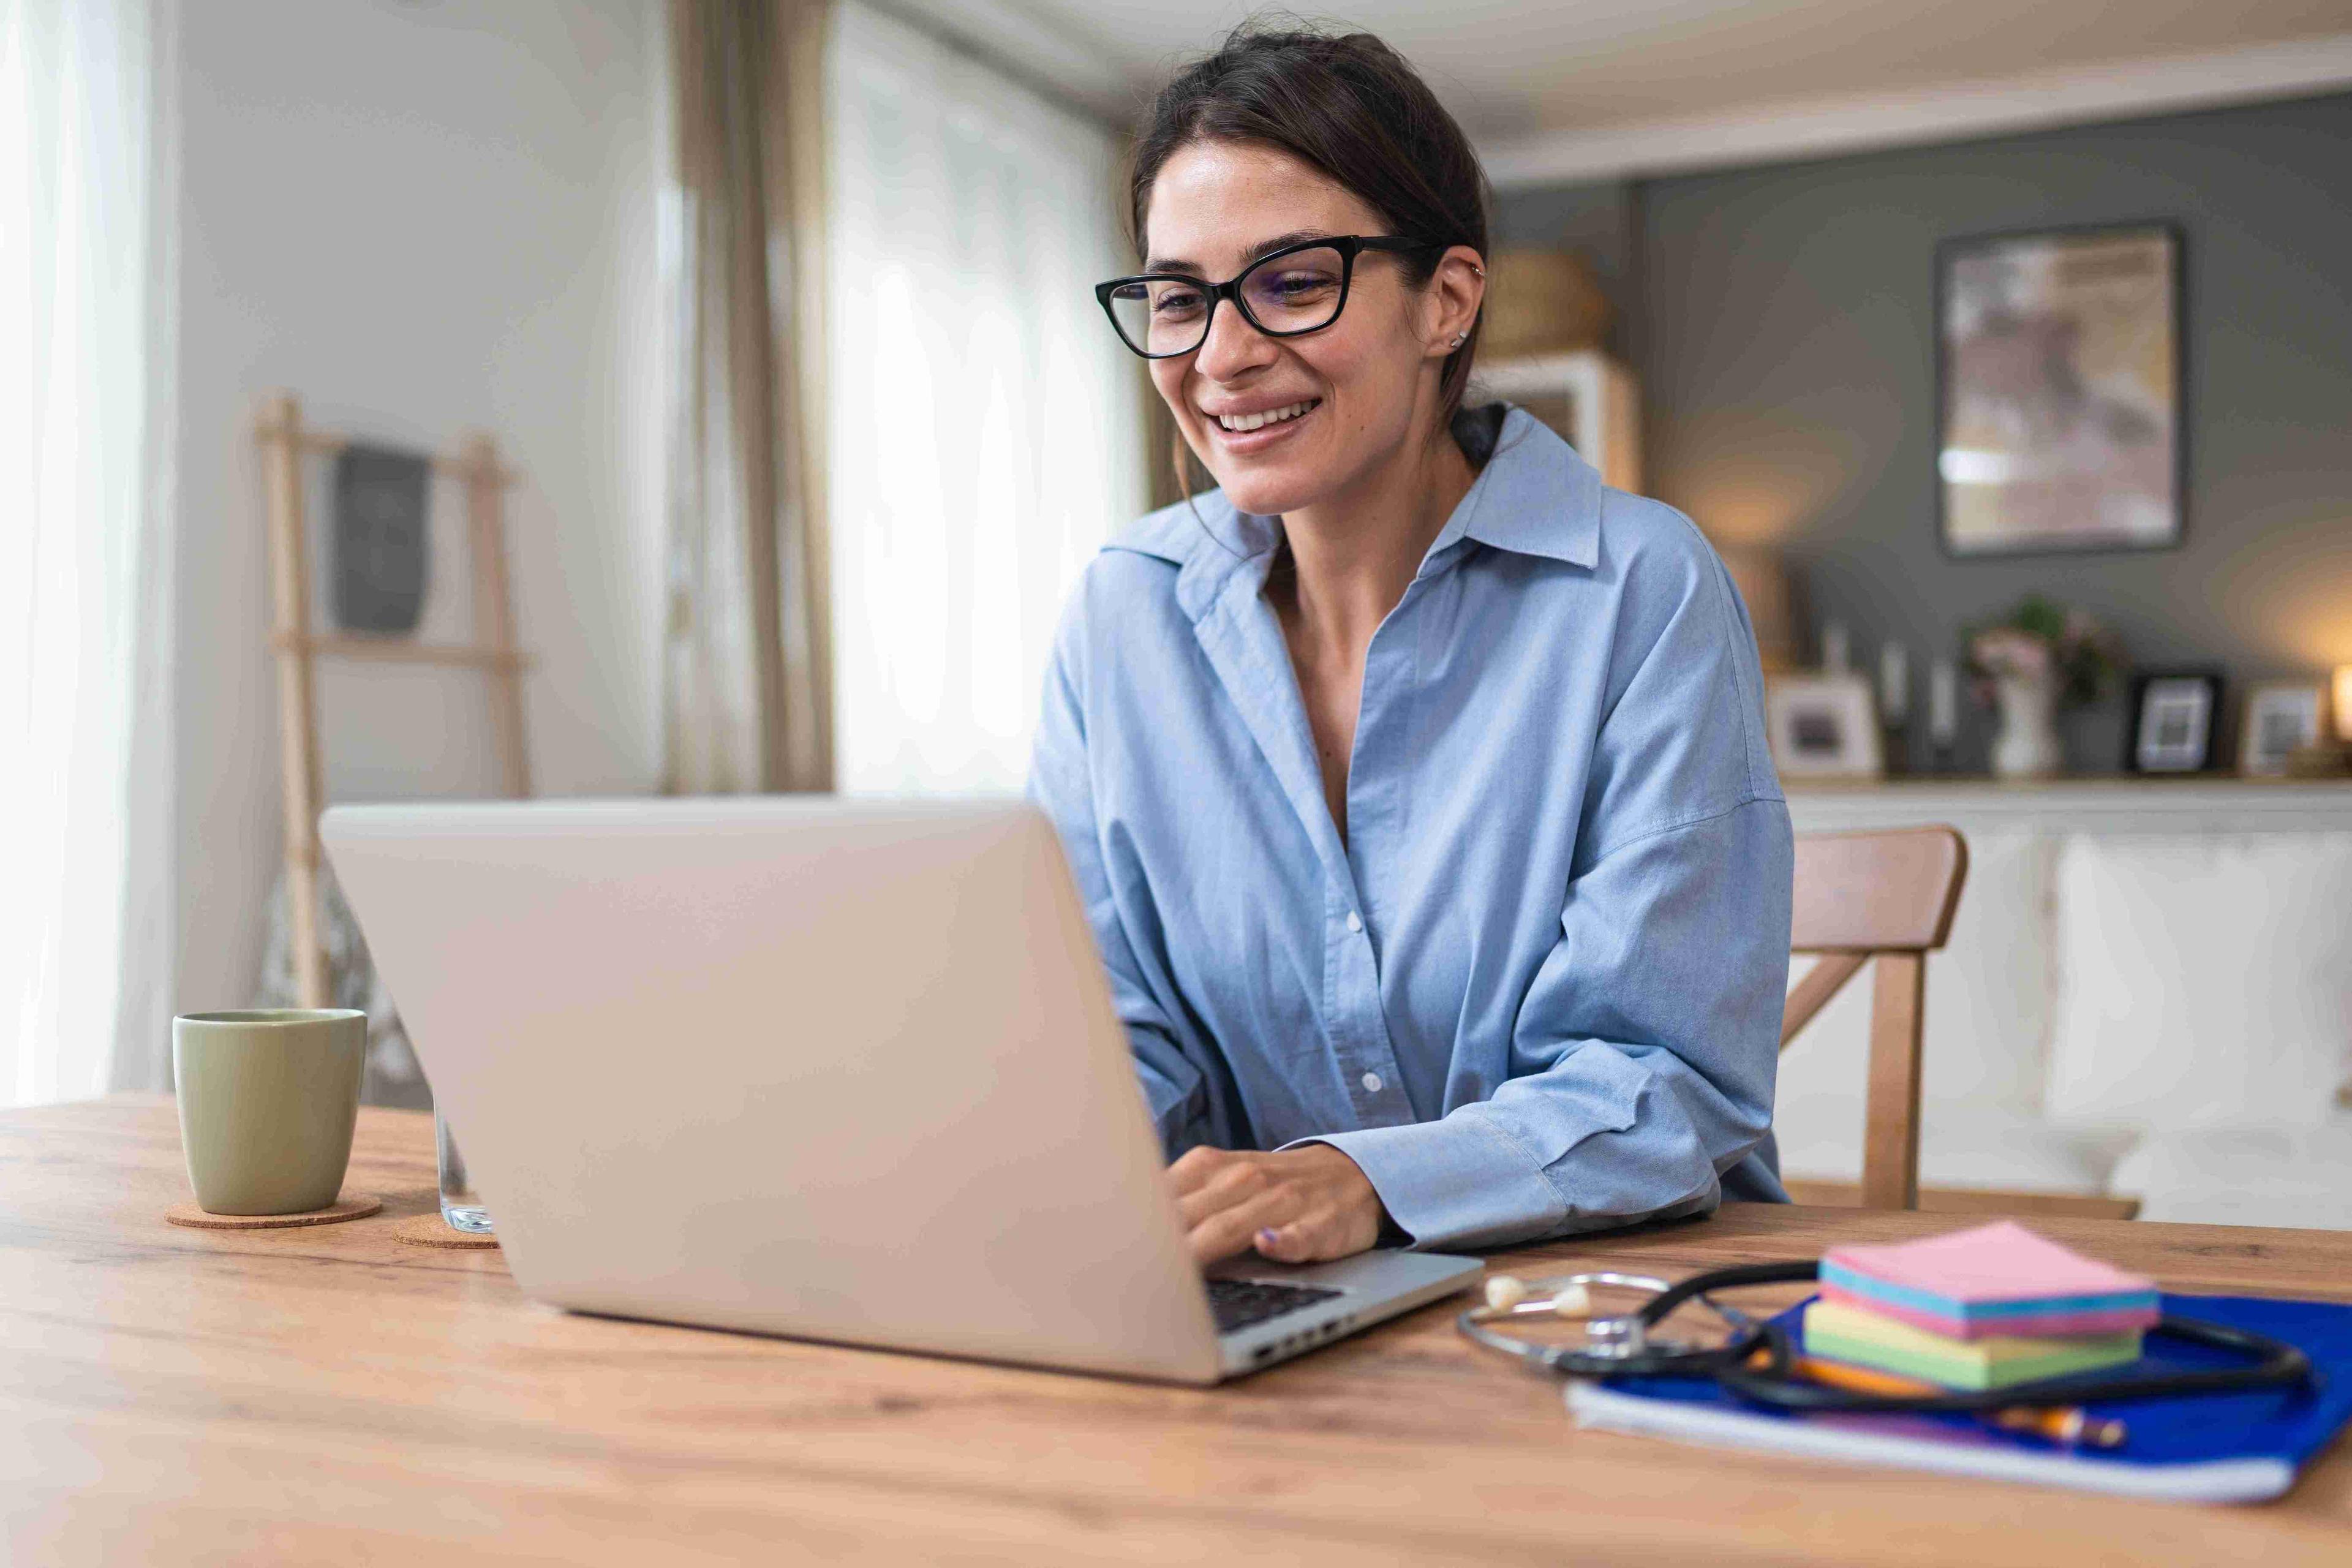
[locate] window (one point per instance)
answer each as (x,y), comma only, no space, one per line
(985,429)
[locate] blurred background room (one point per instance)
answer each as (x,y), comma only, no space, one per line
(562,397)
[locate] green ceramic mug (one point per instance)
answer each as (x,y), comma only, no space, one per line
(267,1101)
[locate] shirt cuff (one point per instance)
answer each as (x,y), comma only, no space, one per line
(1459,1182)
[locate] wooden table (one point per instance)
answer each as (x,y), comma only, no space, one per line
(334,1395)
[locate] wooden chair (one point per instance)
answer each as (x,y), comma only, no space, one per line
(1886,899)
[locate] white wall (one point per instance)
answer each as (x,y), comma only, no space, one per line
(422,217)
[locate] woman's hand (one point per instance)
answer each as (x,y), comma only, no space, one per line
(1302,1205)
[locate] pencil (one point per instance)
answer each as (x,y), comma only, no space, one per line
(2069,1424)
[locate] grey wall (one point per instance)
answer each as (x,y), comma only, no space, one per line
(1782,321)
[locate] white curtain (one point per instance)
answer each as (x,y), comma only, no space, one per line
(85,569)
(984,426)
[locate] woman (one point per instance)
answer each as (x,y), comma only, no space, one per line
(1416,783)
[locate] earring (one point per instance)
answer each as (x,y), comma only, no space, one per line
(1461,338)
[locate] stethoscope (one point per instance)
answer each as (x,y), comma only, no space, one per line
(1629,1345)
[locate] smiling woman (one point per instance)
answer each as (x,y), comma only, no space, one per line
(1416,781)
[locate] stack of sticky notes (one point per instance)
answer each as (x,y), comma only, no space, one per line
(1977,1308)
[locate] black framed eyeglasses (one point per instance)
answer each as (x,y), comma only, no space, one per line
(1286,293)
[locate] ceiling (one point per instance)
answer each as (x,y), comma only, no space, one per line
(1566,89)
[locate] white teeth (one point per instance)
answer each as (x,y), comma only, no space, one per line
(1271,417)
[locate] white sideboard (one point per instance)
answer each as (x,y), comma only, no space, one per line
(2201,803)
(2148,993)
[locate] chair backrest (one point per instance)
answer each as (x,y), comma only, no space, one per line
(1884,898)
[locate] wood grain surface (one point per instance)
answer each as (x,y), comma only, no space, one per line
(331,1395)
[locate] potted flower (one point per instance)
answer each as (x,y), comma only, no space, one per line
(2029,662)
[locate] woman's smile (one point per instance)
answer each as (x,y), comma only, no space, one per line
(1242,430)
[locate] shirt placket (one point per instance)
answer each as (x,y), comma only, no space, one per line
(1377,788)
(1359,1030)
(1245,645)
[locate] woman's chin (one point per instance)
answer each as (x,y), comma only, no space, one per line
(1264,492)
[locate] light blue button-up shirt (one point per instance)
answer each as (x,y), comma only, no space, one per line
(1538,987)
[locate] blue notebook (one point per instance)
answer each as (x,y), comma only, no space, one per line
(2234,1448)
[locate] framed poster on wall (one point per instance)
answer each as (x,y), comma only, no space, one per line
(2058,391)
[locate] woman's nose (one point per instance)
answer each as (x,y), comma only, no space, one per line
(1232,346)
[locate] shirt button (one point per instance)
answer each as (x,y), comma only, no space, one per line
(1355,920)
(1371,1083)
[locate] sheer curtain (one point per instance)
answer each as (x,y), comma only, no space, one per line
(85,571)
(985,431)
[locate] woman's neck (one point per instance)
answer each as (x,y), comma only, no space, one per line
(1353,555)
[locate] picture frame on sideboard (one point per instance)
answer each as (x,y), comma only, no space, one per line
(2280,718)
(2175,718)
(1823,725)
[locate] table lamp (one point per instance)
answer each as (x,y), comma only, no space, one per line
(2344,703)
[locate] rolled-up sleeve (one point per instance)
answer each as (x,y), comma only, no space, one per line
(1645,1051)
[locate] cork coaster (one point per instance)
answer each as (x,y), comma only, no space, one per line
(357,1206)
(430,1229)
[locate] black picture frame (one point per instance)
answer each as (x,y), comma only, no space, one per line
(2147,752)
(1953,251)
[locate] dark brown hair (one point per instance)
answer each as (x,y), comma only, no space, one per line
(1348,105)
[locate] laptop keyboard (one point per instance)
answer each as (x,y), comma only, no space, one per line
(1239,1303)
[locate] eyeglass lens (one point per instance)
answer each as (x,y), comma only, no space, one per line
(1296,292)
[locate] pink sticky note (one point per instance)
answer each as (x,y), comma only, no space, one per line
(1999,1262)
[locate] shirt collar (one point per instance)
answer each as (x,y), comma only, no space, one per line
(1535,496)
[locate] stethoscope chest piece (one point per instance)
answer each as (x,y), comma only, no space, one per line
(1616,1337)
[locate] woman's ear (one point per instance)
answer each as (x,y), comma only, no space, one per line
(1455,291)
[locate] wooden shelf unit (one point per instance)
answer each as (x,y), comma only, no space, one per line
(285,441)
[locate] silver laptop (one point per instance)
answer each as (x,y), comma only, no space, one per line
(835,1069)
